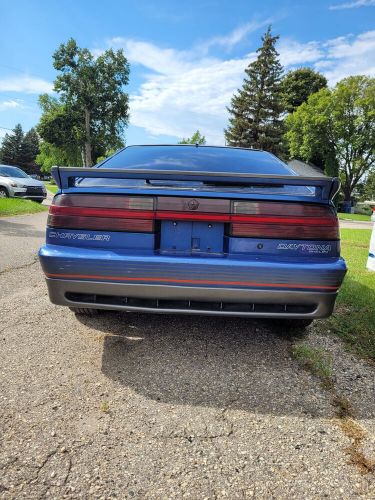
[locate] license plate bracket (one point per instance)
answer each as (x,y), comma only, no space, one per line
(192,237)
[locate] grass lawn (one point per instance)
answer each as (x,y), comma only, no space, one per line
(354,217)
(52,188)
(354,318)
(13,206)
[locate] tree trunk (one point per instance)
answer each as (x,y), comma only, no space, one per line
(347,190)
(88,158)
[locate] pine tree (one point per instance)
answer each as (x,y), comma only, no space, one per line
(255,111)
(30,146)
(12,147)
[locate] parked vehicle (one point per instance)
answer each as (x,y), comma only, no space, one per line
(197,230)
(15,183)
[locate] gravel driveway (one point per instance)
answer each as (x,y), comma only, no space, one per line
(147,406)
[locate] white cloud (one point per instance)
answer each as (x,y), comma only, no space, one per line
(292,52)
(178,104)
(9,104)
(161,60)
(26,84)
(186,90)
(353,5)
(236,36)
(348,55)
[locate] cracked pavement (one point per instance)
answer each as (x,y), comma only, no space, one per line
(148,406)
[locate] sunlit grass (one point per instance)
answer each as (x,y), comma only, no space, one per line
(358,217)
(52,188)
(354,318)
(14,206)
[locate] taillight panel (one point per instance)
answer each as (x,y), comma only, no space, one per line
(103,212)
(253,219)
(285,221)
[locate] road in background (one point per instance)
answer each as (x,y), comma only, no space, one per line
(354,224)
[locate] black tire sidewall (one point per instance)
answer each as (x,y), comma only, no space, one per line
(4,190)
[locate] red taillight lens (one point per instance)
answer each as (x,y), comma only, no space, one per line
(102,212)
(284,220)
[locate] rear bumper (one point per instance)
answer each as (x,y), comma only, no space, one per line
(107,279)
(191,300)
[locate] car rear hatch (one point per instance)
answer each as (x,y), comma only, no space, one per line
(195,213)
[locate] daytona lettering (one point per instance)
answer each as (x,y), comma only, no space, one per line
(305,247)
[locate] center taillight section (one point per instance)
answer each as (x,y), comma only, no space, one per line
(196,224)
(192,225)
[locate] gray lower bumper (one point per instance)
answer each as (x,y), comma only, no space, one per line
(101,292)
(37,197)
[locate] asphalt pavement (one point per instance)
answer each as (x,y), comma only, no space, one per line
(127,405)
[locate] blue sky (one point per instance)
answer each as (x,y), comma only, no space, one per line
(187,58)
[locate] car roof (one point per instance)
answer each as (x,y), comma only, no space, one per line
(197,158)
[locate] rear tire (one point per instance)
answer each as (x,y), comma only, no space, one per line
(84,310)
(3,193)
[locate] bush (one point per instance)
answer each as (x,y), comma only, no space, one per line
(363,209)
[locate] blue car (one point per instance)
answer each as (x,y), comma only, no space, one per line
(195,230)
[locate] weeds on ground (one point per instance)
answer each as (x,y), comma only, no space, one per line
(354,432)
(104,406)
(317,361)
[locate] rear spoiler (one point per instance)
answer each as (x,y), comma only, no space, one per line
(325,187)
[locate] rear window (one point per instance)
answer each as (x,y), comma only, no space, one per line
(201,158)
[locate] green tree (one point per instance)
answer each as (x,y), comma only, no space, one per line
(92,91)
(106,155)
(255,111)
(60,127)
(11,152)
(338,124)
(50,155)
(298,85)
(196,138)
(368,188)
